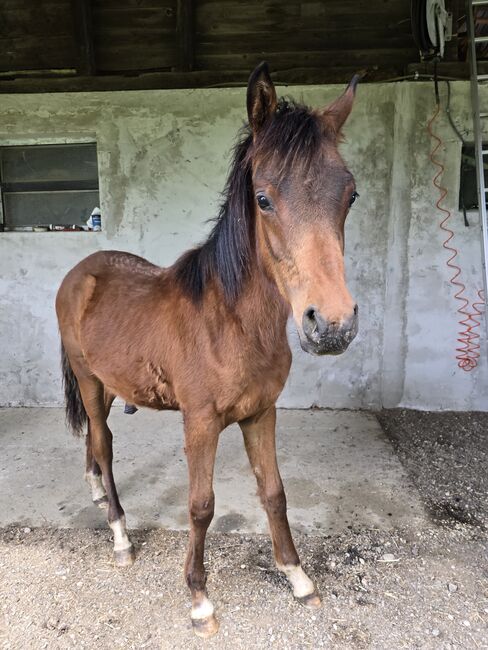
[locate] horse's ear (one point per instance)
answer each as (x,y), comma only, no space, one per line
(338,112)
(261,97)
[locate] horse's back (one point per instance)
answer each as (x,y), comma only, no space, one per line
(104,268)
(106,263)
(100,277)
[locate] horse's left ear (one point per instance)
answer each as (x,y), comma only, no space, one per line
(261,97)
(338,112)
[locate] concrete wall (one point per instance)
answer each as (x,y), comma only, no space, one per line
(163,157)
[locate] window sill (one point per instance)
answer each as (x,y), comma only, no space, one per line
(37,230)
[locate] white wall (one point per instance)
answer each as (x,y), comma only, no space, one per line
(163,157)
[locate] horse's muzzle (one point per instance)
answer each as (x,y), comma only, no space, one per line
(324,337)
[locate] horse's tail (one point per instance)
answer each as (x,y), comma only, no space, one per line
(76,417)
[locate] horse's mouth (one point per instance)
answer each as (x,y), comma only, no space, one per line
(320,350)
(328,346)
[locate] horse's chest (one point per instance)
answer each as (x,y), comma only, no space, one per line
(252,386)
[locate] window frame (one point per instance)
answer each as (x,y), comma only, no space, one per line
(47,186)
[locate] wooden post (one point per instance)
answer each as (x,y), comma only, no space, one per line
(185,32)
(82,16)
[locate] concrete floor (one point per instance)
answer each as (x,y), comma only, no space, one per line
(338,469)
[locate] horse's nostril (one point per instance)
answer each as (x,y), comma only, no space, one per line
(314,326)
(356,309)
(310,313)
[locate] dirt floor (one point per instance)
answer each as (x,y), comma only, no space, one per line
(407,588)
(446,456)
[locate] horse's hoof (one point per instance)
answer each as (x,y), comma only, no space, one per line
(102,502)
(312,601)
(205,627)
(124,558)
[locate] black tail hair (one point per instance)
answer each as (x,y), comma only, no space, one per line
(76,417)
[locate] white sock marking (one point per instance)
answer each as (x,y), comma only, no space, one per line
(300,582)
(204,609)
(121,540)
(96,485)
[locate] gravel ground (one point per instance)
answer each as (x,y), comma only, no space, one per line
(446,456)
(405,588)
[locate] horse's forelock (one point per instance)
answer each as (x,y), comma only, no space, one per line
(291,141)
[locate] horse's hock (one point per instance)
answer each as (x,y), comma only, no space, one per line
(338,469)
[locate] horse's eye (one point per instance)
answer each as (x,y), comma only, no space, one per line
(354,196)
(263,202)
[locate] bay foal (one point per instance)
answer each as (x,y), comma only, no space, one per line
(208,334)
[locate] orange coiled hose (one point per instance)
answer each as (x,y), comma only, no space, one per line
(468,351)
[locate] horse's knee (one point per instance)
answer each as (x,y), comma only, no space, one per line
(202,510)
(274,501)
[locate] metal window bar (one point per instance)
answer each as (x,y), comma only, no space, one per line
(478,135)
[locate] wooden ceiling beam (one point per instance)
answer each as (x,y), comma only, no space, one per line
(195,79)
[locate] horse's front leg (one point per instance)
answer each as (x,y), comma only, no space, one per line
(259,438)
(200,446)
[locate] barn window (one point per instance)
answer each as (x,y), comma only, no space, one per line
(48,186)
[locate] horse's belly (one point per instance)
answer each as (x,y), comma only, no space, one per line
(143,385)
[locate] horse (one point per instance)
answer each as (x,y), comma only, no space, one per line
(207,335)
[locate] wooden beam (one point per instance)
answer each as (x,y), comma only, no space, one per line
(185,28)
(451,69)
(82,16)
(195,79)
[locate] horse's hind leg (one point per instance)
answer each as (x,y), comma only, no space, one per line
(259,438)
(92,393)
(93,473)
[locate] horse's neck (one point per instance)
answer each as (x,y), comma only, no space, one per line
(262,307)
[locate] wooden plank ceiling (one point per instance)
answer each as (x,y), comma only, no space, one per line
(51,45)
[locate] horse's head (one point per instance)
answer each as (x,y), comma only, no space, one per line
(303,192)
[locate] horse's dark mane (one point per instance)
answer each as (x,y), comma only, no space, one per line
(227,252)
(292,137)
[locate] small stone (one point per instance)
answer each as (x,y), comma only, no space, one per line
(27,530)
(52,623)
(436,632)
(452,587)
(388,557)
(466,623)
(243,566)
